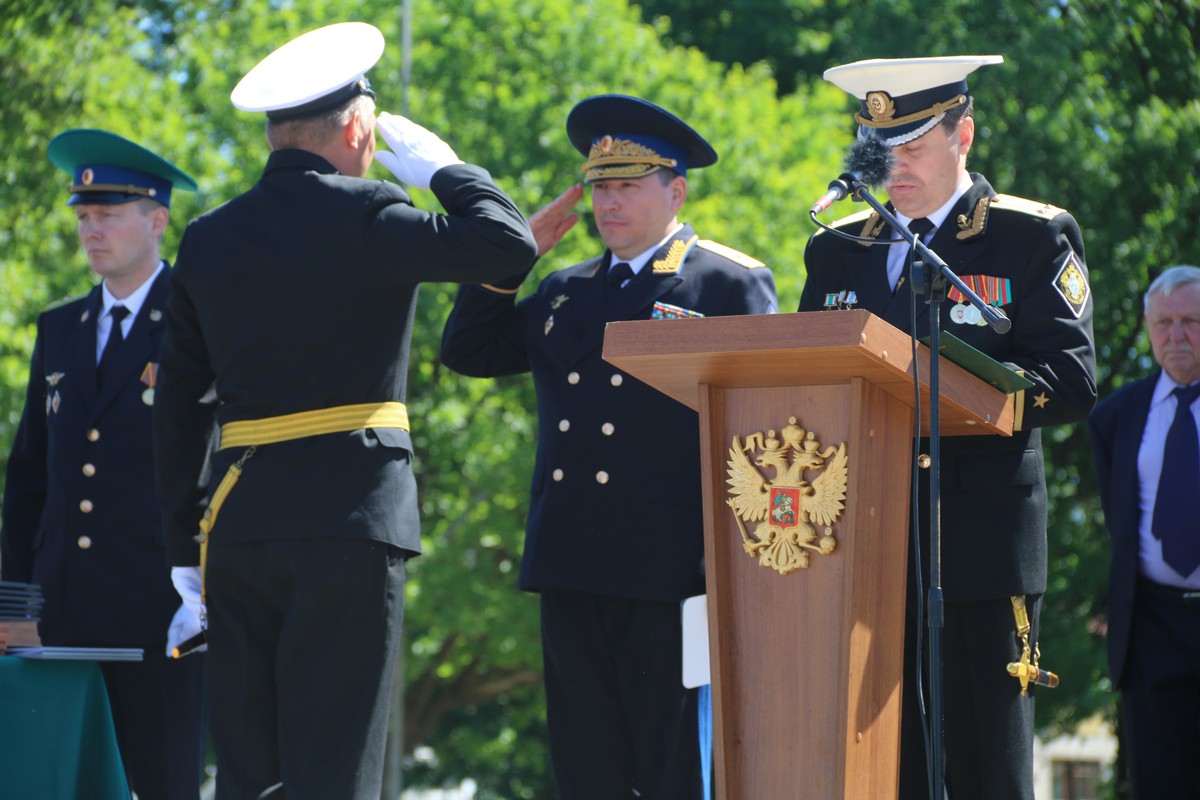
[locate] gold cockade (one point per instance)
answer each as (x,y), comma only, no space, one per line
(789,508)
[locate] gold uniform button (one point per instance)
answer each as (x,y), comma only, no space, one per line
(89,470)
(93,435)
(617,379)
(601,477)
(558,474)
(573,378)
(564,425)
(84,542)
(607,429)
(85,506)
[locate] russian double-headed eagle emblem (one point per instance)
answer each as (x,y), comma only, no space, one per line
(789,509)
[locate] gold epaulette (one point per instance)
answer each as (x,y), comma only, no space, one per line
(1034,208)
(736,256)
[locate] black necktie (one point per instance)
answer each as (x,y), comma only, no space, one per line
(617,275)
(116,337)
(1177,505)
(920,226)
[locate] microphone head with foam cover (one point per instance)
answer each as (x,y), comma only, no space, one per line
(871,159)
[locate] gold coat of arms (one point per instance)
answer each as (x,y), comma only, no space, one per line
(787,510)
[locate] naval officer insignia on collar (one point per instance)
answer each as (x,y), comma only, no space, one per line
(970,227)
(1072,284)
(673,260)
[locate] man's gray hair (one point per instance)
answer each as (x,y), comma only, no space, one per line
(1169,281)
(314,131)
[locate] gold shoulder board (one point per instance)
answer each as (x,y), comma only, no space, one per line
(1035,208)
(735,256)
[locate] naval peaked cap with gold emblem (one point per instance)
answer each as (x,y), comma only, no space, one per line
(902,99)
(627,137)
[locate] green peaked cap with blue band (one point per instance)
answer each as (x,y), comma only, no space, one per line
(107,169)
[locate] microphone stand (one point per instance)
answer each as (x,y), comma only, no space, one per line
(933,283)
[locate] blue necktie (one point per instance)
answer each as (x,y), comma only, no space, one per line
(1177,505)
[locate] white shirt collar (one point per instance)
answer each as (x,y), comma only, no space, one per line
(1163,389)
(134,301)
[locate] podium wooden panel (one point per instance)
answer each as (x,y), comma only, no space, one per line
(806,667)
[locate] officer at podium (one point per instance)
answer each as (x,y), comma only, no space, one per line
(1026,257)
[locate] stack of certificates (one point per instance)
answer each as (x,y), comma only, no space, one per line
(79,653)
(20,610)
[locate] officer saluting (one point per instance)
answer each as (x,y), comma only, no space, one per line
(79,516)
(614,539)
(296,301)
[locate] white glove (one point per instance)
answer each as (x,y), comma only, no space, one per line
(188,585)
(184,625)
(416,152)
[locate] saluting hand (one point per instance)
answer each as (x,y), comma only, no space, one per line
(417,153)
(553,220)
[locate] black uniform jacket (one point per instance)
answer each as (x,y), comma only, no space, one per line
(1116,427)
(299,295)
(615,506)
(993,492)
(80,517)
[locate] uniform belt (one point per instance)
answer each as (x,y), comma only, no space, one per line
(251,433)
(1174,594)
(339,419)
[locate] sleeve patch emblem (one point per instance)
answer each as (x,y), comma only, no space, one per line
(1072,284)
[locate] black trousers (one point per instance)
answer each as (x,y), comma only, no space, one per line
(621,723)
(303,638)
(987,723)
(157,707)
(1161,694)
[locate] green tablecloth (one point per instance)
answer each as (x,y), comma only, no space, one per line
(56,733)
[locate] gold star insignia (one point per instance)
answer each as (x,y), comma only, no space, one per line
(1040,400)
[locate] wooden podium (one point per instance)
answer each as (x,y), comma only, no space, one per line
(806,666)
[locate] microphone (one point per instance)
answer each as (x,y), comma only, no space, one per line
(868,162)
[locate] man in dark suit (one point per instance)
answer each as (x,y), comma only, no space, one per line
(614,539)
(80,517)
(295,302)
(1147,466)
(1027,258)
